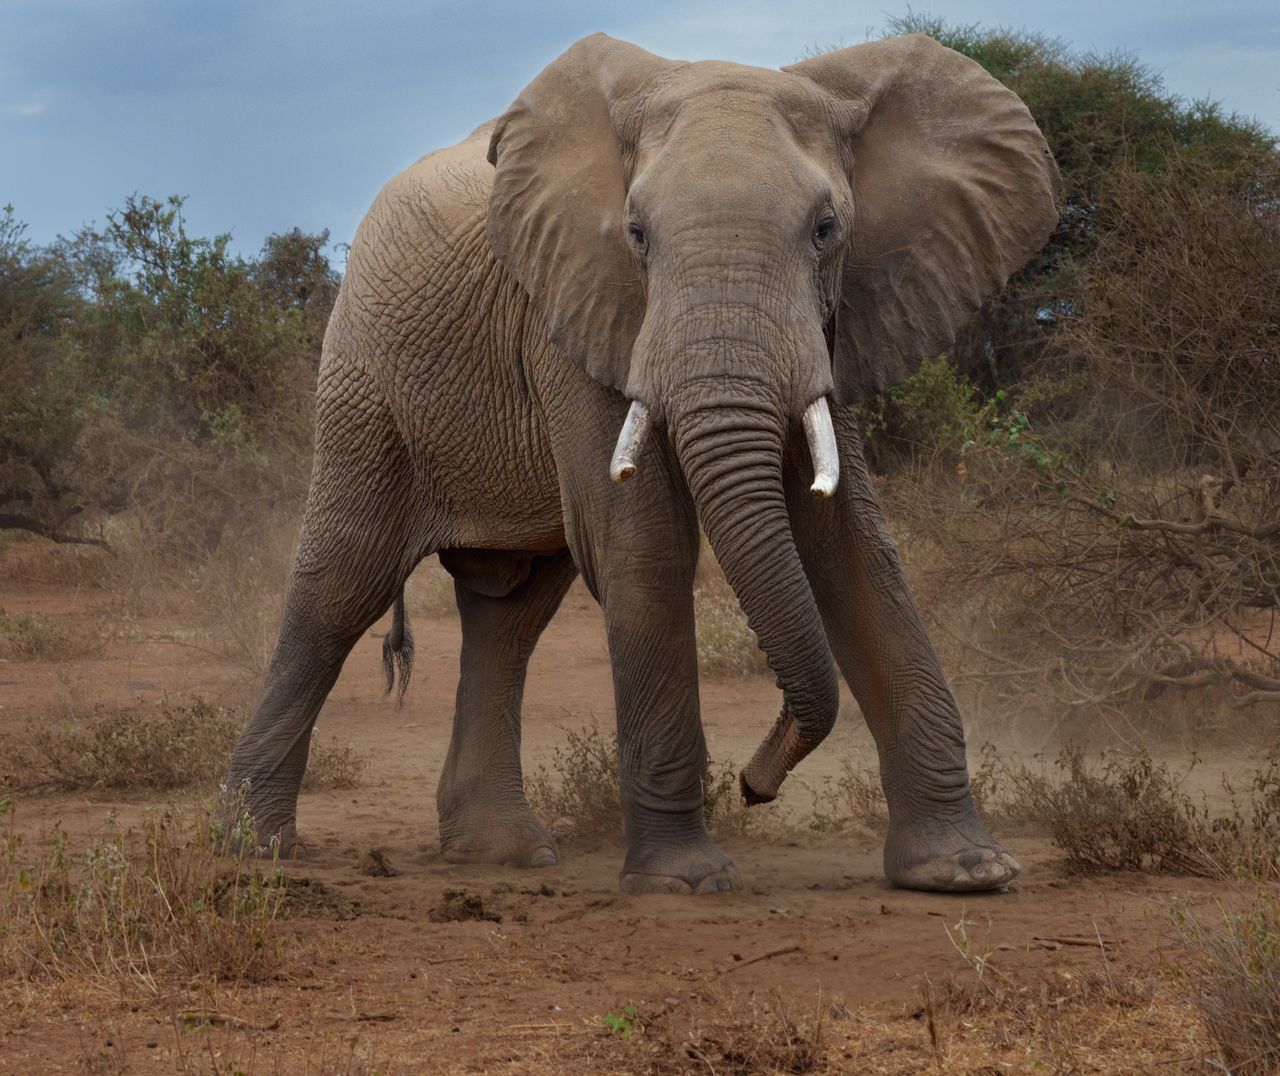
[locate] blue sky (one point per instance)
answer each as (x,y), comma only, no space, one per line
(271,114)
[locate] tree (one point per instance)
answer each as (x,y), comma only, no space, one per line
(151,370)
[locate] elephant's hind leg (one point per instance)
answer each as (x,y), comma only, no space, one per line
(356,548)
(505,600)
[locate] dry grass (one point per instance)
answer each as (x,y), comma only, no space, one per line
(1129,812)
(175,745)
(578,793)
(727,646)
(137,911)
(25,558)
(1233,972)
(1063,1021)
(852,799)
(429,591)
(30,637)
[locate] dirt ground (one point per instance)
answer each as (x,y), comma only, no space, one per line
(1077,972)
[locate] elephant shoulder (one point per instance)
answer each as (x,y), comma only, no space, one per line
(432,202)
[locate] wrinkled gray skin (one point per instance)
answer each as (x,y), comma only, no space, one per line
(702,280)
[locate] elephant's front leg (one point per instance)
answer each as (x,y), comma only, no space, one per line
(936,840)
(636,545)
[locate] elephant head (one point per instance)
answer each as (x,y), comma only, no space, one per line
(731,246)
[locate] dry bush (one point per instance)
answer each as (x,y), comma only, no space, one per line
(1129,812)
(727,647)
(172,746)
(143,911)
(1125,542)
(1233,971)
(749,1037)
(31,637)
(578,792)
(429,591)
(853,798)
(25,558)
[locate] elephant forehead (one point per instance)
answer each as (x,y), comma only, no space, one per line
(723,89)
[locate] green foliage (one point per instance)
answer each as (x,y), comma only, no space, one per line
(935,408)
(623,1022)
(936,411)
(1099,114)
(153,371)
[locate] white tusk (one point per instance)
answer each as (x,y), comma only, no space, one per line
(630,441)
(822,448)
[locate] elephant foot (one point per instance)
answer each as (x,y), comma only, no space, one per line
(512,838)
(699,867)
(947,856)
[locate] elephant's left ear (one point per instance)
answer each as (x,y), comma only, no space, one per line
(555,213)
(954,189)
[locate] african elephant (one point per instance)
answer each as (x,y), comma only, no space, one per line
(718,261)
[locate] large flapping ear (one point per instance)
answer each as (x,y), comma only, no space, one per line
(555,214)
(954,189)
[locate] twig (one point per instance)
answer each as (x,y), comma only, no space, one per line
(223,1019)
(1090,942)
(764,956)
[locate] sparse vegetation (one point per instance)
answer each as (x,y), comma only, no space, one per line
(137,910)
(853,797)
(727,646)
(578,793)
(1130,812)
(30,637)
(168,747)
(1233,972)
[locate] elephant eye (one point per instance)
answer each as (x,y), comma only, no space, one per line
(824,231)
(636,234)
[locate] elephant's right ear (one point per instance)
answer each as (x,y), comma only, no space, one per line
(555,214)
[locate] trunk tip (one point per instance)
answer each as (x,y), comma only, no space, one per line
(750,796)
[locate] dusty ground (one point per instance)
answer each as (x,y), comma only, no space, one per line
(818,937)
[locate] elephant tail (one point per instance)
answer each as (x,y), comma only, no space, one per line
(397,650)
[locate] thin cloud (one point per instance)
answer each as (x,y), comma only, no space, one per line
(30,108)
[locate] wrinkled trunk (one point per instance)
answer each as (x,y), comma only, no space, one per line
(731,453)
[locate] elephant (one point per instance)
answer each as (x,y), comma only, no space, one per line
(643,303)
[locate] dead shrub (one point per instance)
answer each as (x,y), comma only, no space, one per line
(751,1037)
(176,745)
(852,798)
(1109,533)
(578,793)
(1129,812)
(142,910)
(429,591)
(1233,971)
(30,637)
(727,647)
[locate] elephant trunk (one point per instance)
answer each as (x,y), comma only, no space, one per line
(731,454)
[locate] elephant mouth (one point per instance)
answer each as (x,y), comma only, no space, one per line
(818,432)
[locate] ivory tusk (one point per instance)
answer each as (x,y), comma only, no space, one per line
(822,448)
(630,441)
